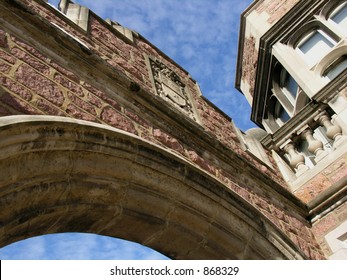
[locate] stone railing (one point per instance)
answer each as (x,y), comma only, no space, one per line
(300,147)
(315,147)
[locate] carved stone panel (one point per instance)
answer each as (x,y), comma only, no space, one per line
(169,86)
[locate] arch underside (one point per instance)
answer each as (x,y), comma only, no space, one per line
(63,175)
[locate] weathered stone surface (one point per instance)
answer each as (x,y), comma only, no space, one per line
(250,62)
(7,57)
(39,84)
(168,141)
(275,9)
(200,175)
(330,175)
(69,85)
(3,39)
(115,119)
(16,88)
(93,178)
(78,113)
(33,62)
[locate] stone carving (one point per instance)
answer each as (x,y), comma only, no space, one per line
(170,87)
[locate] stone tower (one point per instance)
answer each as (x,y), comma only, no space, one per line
(292,69)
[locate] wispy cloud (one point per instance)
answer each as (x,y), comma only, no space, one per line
(200,35)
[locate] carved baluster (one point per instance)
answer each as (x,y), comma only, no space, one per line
(314,146)
(296,160)
(333,131)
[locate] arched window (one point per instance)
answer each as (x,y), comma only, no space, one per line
(288,85)
(306,61)
(280,114)
(314,46)
(339,16)
(337,67)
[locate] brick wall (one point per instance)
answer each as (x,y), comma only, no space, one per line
(250,62)
(35,82)
(275,9)
(325,179)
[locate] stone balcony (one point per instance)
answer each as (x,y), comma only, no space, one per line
(309,143)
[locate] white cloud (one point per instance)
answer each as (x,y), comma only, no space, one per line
(76,246)
(200,35)
(27,249)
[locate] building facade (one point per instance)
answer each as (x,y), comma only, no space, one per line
(292,70)
(101,132)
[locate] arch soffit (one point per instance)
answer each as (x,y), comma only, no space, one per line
(65,175)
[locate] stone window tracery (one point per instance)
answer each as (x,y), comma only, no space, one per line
(281,115)
(277,113)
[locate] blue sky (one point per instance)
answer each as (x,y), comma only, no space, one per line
(201,36)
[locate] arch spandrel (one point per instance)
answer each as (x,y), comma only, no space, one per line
(64,175)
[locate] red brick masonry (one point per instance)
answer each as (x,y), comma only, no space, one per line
(34,83)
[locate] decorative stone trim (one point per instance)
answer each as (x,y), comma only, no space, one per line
(169,87)
(337,240)
(76,13)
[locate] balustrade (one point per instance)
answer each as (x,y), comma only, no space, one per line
(314,150)
(333,131)
(296,159)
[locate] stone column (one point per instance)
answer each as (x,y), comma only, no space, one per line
(296,160)
(333,131)
(314,146)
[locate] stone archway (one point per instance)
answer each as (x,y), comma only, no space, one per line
(65,175)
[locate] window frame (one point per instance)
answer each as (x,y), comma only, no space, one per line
(333,65)
(310,78)
(290,104)
(283,76)
(308,57)
(330,10)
